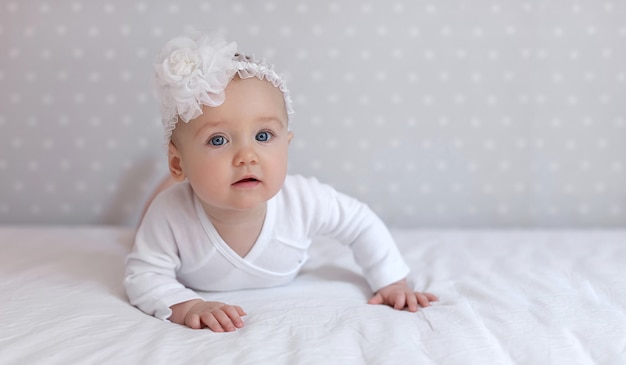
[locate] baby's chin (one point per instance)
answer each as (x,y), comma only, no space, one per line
(250,204)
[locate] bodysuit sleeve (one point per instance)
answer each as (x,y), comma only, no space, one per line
(353,223)
(150,278)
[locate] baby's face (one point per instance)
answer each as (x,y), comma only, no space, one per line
(235,155)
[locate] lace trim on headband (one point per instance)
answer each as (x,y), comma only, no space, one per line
(194,71)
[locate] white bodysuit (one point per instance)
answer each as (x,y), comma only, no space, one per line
(178,250)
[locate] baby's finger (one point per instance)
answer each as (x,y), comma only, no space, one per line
(399,301)
(411,302)
(376,299)
(234,314)
(192,320)
(431,297)
(423,299)
(211,322)
(224,320)
(240,310)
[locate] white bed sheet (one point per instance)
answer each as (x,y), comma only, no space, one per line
(507,297)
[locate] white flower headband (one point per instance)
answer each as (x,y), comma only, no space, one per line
(194,71)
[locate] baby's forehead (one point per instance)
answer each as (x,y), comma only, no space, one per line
(256,112)
(252,98)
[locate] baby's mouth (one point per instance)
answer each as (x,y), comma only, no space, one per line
(246,180)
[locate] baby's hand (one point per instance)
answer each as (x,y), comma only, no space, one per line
(218,317)
(399,296)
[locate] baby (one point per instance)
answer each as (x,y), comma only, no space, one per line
(236,220)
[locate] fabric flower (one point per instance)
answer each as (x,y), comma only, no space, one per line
(193,71)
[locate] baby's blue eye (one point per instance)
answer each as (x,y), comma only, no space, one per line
(263,136)
(217,140)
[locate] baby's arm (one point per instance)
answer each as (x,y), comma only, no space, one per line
(399,296)
(218,317)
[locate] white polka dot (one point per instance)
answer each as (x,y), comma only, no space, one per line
(18,186)
(302,8)
(366,8)
(28,31)
(77,53)
(510,30)
(349,31)
(14,52)
(110,99)
(94,77)
(584,165)
(238,8)
(317,75)
(142,98)
(61,30)
(617,166)
(570,144)
(254,30)
(79,142)
(429,55)
(35,209)
(50,188)
(80,186)
(48,143)
(97,209)
(79,98)
(347,167)
(109,8)
(615,210)
(591,30)
(66,208)
(503,209)
(173,9)
(47,100)
(396,99)
(477,32)
(572,100)
(442,165)
(126,75)
(15,98)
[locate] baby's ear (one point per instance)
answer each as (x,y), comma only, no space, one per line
(289,136)
(175,163)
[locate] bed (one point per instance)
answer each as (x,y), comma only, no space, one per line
(506,297)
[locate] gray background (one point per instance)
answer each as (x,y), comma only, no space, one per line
(435,113)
